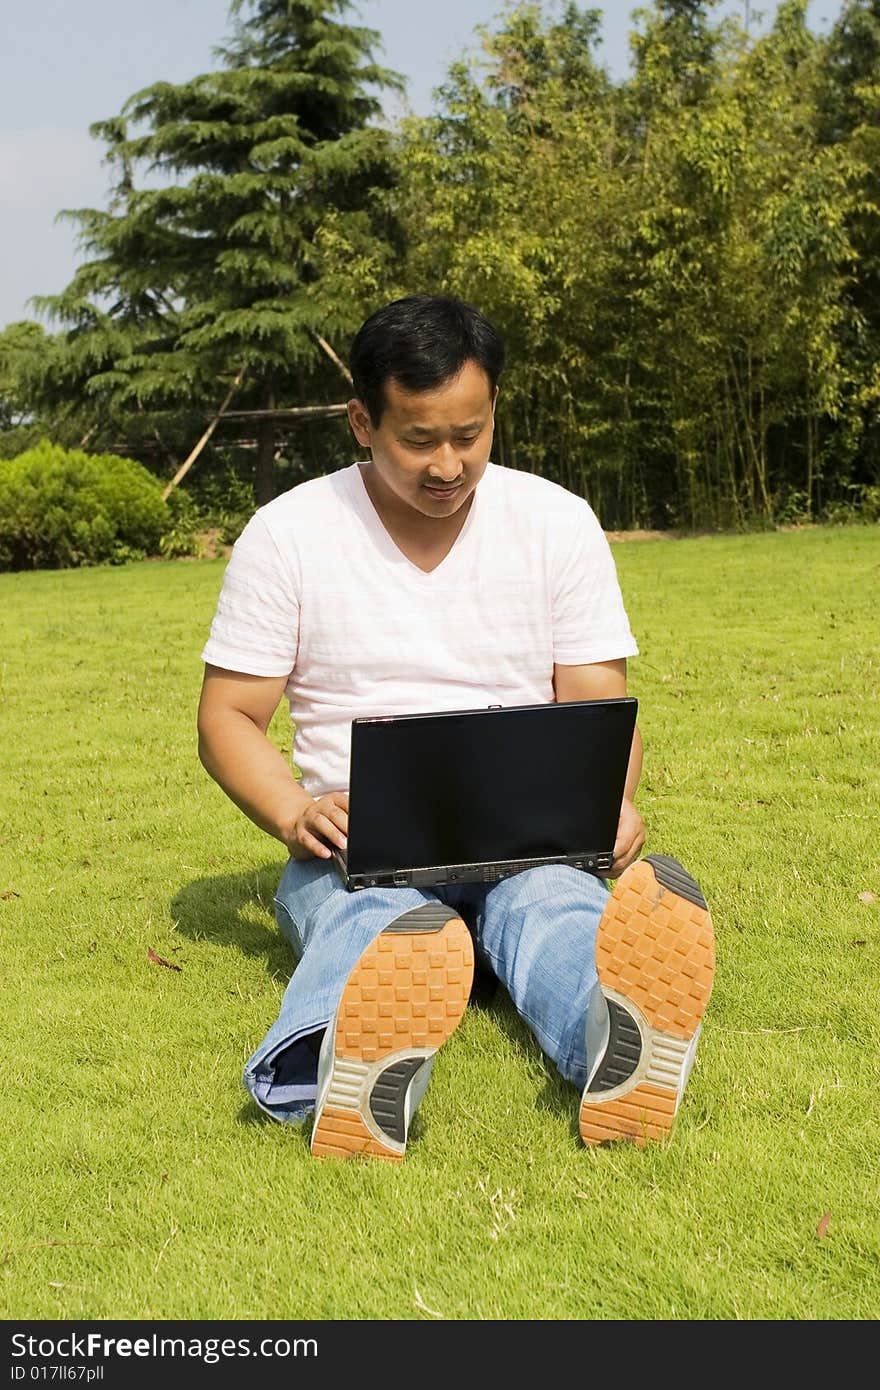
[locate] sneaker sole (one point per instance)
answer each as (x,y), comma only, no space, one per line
(655,957)
(404,998)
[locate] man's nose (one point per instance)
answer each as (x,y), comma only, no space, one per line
(446,465)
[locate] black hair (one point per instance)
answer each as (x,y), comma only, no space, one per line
(420,342)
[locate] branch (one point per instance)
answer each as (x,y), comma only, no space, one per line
(194,453)
(298,412)
(337,361)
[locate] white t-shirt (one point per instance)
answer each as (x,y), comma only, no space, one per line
(316,590)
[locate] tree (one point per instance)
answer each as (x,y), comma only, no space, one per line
(28,355)
(669,259)
(503,191)
(233,262)
(21,346)
(848,123)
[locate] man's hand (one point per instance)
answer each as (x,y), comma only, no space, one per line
(323,822)
(630,838)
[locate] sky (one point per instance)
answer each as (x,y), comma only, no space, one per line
(67,63)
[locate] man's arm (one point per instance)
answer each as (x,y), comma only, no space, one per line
(234,713)
(604,680)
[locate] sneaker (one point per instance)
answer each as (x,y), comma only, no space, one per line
(405,996)
(655,957)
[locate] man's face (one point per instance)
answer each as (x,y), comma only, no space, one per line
(430,449)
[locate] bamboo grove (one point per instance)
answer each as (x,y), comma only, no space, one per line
(685,265)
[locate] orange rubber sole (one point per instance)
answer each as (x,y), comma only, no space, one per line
(655,957)
(404,998)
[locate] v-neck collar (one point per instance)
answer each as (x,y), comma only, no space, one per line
(386,543)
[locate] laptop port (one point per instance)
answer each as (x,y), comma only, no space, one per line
(400,880)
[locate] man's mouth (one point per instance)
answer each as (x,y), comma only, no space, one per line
(443,489)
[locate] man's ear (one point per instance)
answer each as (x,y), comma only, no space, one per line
(359,419)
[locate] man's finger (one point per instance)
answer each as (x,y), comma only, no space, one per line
(333,833)
(316,846)
(308,847)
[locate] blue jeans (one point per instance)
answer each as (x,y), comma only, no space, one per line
(536,930)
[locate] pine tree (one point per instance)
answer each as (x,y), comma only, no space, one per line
(223,268)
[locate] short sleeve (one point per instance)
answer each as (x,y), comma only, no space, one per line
(589,619)
(256,623)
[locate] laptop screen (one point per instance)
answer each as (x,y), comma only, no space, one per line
(484,786)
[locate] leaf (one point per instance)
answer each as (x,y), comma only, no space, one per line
(160,960)
(9,893)
(867,898)
(824,1223)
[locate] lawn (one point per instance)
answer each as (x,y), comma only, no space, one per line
(140,1182)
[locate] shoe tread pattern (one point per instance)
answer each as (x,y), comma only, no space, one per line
(430,917)
(343,1134)
(656,947)
(671,874)
(388,1097)
(646,1112)
(622,1054)
(408,989)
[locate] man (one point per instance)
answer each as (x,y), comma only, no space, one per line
(422,578)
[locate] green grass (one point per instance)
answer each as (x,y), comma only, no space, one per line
(141,1182)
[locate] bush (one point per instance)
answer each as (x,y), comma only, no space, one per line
(60,508)
(226,502)
(184,523)
(861,504)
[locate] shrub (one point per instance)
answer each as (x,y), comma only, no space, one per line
(183,525)
(60,508)
(861,504)
(226,503)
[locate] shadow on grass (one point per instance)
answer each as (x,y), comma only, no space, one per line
(224,909)
(560,1097)
(252,1117)
(556,1096)
(237,910)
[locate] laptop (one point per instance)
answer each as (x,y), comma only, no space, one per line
(476,795)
